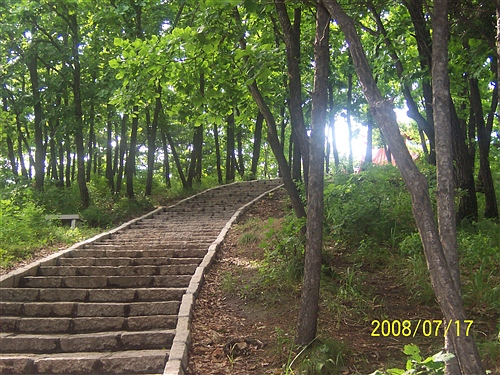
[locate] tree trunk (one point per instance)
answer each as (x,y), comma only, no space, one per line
(257,140)
(272,138)
(130,164)
(166,163)
(68,161)
(217,153)
(230,148)
(177,161)
(350,166)
(152,144)
(442,281)
(445,194)
(110,176)
(32,64)
(80,152)
(291,35)
(309,302)
(331,121)
(239,141)
(92,140)
(123,150)
(483,140)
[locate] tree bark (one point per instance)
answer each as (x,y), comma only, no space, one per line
(109,150)
(291,36)
(37,108)
(166,163)
(217,153)
(445,195)
(483,140)
(309,302)
(122,152)
(230,159)
(272,138)
(80,152)
(257,140)
(152,143)
(447,294)
(130,164)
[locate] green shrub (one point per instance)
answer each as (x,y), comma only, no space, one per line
(373,204)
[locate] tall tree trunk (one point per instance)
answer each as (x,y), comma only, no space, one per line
(152,143)
(350,166)
(177,161)
(80,152)
(217,153)
(32,64)
(166,163)
(272,138)
(195,156)
(309,302)
(445,195)
(61,164)
(331,121)
(130,164)
(483,140)
(239,141)
(92,141)
(257,140)
(297,158)
(123,150)
(291,35)
(230,159)
(67,173)
(110,176)
(442,281)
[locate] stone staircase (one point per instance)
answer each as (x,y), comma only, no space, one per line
(111,305)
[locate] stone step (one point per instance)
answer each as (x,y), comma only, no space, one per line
(195,252)
(90,295)
(41,325)
(142,270)
(154,248)
(98,282)
(85,342)
(121,261)
(84,309)
(126,362)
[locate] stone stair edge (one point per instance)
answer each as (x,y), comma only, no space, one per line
(12,278)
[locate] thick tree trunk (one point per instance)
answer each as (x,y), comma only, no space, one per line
(241,162)
(445,195)
(32,64)
(68,162)
(130,164)
(257,140)
(443,283)
(309,302)
(291,35)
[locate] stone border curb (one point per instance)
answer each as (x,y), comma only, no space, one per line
(179,353)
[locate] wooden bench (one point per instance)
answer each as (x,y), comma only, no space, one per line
(73,219)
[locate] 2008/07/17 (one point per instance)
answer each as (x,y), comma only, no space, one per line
(406,328)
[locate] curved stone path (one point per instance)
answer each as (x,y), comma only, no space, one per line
(121,302)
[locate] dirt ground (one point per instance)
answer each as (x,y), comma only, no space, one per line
(236,332)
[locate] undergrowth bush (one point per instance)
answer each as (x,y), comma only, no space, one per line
(372,205)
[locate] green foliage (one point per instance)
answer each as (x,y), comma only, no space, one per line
(433,365)
(283,265)
(373,204)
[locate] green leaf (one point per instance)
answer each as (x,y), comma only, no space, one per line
(118,42)
(413,351)
(114,63)
(442,357)
(120,74)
